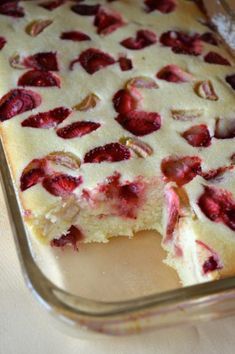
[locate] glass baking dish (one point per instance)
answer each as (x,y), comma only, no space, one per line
(136,293)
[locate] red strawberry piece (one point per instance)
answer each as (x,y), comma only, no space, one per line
(11,8)
(93,60)
(181,170)
(209,37)
(72,238)
(46,61)
(51,5)
(225,128)
(110,187)
(60,185)
(140,123)
(215,58)
(48,119)
(32,174)
(173,212)
(85,10)
(107,21)
(18,101)
(125,63)
(231,80)
(144,38)
(173,73)
(125,198)
(129,192)
(212,261)
(216,174)
(182,43)
(198,136)
(75,36)
(164,6)
(125,101)
(218,205)
(112,152)
(2,42)
(39,78)
(170,39)
(211,264)
(130,195)
(77,129)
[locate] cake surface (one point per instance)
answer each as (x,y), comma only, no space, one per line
(121,119)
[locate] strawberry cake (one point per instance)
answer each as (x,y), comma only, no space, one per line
(116,117)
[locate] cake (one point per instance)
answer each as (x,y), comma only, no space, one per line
(116,117)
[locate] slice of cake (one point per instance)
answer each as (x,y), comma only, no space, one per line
(116,117)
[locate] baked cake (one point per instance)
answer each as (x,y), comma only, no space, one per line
(116,117)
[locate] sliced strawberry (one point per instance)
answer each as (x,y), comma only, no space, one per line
(143,39)
(77,129)
(129,198)
(124,198)
(60,185)
(125,63)
(11,8)
(18,101)
(231,80)
(211,264)
(182,43)
(216,58)
(173,212)
(225,128)
(48,119)
(216,174)
(2,42)
(208,257)
(110,187)
(181,170)
(140,123)
(198,136)
(32,174)
(164,6)
(72,238)
(85,10)
(75,36)
(93,60)
(112,152)
(39,78)
(46,61)
(209,37)
(173,73)
(218,205)
(52,5)
(107,21)
(125,101)
(129,192)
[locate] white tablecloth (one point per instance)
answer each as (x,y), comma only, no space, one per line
(24,325)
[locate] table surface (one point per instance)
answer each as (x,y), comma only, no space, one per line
(25,326)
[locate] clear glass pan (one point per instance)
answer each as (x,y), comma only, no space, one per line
(87,293)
